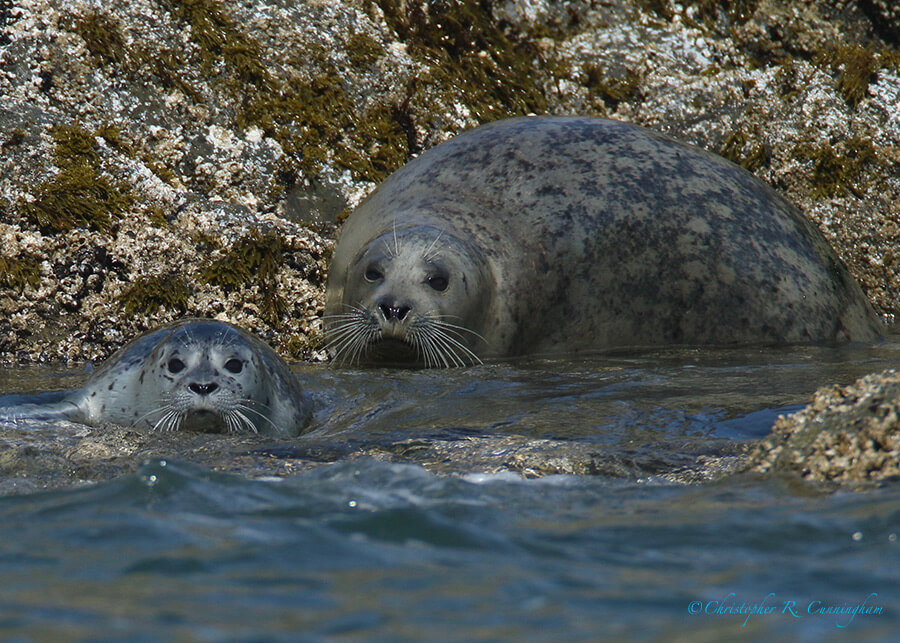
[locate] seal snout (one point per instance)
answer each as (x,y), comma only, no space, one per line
(203,389)
(392,311)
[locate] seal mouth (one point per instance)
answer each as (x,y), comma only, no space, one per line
(392,351)
(204,421)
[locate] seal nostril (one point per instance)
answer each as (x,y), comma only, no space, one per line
(203,389)
(389,312)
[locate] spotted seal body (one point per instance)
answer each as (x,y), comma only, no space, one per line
(549,235)
(199,375)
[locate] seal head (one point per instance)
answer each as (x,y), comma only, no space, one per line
(207,379)
(198,375)
(418,293)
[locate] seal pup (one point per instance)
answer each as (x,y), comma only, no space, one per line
(198,375)
(555,235)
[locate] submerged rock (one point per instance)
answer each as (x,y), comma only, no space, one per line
(63,454)
(848,435)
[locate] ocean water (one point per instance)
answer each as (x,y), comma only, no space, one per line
(371,550)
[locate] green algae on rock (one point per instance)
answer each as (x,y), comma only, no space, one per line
(18,272)
(839,167)
(80,194)
(102,34)
(746,150)
(476,55)
(254,259)
(149,294)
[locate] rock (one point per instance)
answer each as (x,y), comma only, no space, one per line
(141,140)
(885,16)
(848,435)
(35,456)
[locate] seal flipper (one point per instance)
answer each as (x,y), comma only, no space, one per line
(54,405)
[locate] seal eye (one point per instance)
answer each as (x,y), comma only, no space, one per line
(234,365)
(439,282)
(175,365)
(373,274)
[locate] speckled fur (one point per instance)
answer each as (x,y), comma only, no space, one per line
(600,234)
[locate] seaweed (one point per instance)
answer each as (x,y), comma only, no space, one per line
(254,259)
(150,293)
(79,195)
(855,67)
(724,12)
(477,56)
(746,151)
(102,35)
(837,169)
(18,272)
(611,85)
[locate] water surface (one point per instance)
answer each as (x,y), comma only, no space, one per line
(369,549)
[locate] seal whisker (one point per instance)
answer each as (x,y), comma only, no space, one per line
(365,337)
(396,239)
(160,409)
(246,420)
(349,323)
(456,328)
(230,425)
(465,349)
(437,348)
(351,341)
(336,333)
(453,346)
(343,316)
(157,426)
(347,347)
(339,333)
(427,256)
(447,343)
(250,409)
(169,422)
(424,349)
(431,355)
(448,355)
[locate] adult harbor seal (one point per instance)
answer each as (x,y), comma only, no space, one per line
(549,235)
(199,375)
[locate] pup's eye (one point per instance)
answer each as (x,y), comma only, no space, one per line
(234,365)
(373,274)
(175,365)
(439,282)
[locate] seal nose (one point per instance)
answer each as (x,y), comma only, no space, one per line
(392,312)
(203,389)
